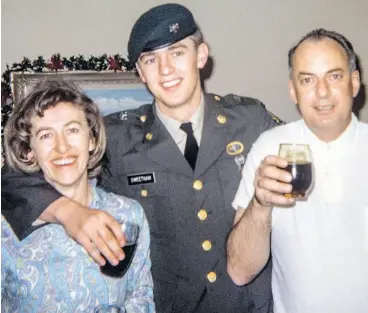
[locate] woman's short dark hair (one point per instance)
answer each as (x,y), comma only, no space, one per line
(45,95)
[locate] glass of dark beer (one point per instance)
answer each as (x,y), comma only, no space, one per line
(300,166)
(131,232)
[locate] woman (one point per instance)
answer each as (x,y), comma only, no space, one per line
(57,129)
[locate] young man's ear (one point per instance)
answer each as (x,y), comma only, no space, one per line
(202,55)
(140,73)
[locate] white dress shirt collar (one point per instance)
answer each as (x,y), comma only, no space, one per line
(173,126)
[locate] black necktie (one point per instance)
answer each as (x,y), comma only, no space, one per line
(191,146)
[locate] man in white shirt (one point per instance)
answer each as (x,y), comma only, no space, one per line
(319,246)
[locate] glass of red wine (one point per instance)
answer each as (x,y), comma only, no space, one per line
(131,232)
(299,157)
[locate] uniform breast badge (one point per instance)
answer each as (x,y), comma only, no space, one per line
(235,148)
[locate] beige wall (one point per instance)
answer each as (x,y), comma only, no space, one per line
(249,39)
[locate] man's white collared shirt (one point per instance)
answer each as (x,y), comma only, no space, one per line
(319,247)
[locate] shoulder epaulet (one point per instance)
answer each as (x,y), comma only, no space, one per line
(276,118)
(232,99)
(131,115)
(227,100)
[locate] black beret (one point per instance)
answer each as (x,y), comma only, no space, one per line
(160,27)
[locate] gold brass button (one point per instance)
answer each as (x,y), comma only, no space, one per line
(197,185)
(144,193)
(206,245)
(221,119)
(217,98)
(149,136)
(202,214)
(143,118)
(211,276)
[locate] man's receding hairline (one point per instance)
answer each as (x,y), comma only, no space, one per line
(319,40)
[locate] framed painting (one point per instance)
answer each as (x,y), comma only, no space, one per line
(113,92)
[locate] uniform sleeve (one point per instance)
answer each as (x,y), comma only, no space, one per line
(23,199)
(139,293)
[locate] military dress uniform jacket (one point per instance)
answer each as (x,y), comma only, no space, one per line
(189,212)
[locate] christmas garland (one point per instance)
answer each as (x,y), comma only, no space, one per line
(57,63)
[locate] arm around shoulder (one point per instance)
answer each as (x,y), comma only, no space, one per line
(24,197)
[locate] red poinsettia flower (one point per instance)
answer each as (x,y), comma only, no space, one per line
(114,63)
(55,63)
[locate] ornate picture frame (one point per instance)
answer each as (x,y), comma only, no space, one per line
(112,91)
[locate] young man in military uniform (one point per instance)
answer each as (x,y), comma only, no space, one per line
(181,158)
